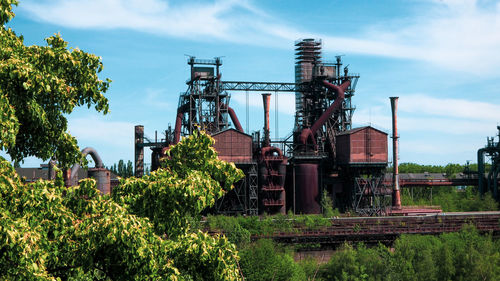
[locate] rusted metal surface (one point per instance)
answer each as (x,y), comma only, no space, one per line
(431,179)
(233,146)
(272,178)
(234,118)
(307,189)
(95,156)
(103,179)
(396,196)
(414,211)
(362,145)
(307,134)
(266,98)
(386,229)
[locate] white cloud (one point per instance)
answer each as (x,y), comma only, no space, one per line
(456,108)
(154,16)
(93,130)
(459,35)
(423,113)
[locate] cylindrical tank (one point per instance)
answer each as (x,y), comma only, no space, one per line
(307,189)
(102,177)
(282,173)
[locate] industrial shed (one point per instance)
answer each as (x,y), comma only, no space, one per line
(233,146)
(364,145)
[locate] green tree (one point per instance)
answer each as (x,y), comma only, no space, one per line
(414,258)
(190,180)
(359,263)
(123,170)
(48,231)
(262,261)
(130,169)
(39,85)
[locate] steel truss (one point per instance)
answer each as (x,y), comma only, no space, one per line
(369,198)
(258,86)
(243,199)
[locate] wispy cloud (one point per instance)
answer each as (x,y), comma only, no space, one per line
(207,20)
(94,130)
(156,98)
(419,112)
(456,108)
(459,35)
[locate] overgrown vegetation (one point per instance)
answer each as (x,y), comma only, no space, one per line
(464,255)
(451,170)
(238,229)
(451,199)
(148,229)
(141,232)
(39,87)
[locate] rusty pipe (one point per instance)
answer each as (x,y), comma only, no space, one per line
(178,122)
(308,134)
(266,98)
(177,130)
(233,116)
(86,151)
(270,150)
(396,196)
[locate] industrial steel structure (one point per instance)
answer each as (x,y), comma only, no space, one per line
(489,183)
(323,154)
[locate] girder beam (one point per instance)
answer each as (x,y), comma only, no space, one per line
(259,86)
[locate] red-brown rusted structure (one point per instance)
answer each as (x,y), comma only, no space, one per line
(374,230)
(233,146)
(323,154)
(365,145)
(396,196)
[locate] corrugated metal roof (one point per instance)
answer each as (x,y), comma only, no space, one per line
(231,129)
(355,130)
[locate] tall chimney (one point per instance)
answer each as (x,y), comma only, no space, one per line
(396,196)
(139,150)
(266,98)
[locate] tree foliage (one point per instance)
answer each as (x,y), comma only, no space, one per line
(141,232)
(449,169)
(463,255)
(451,199)
(122,170)
(263,261)
(38,86)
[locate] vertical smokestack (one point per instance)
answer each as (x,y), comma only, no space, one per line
(139,150)
(266,98)
(396,197)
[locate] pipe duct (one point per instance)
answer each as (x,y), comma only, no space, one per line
(95,156)
(308,134)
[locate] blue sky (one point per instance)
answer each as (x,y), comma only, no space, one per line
(441,58)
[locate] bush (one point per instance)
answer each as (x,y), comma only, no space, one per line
(310,267)
(263,261)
